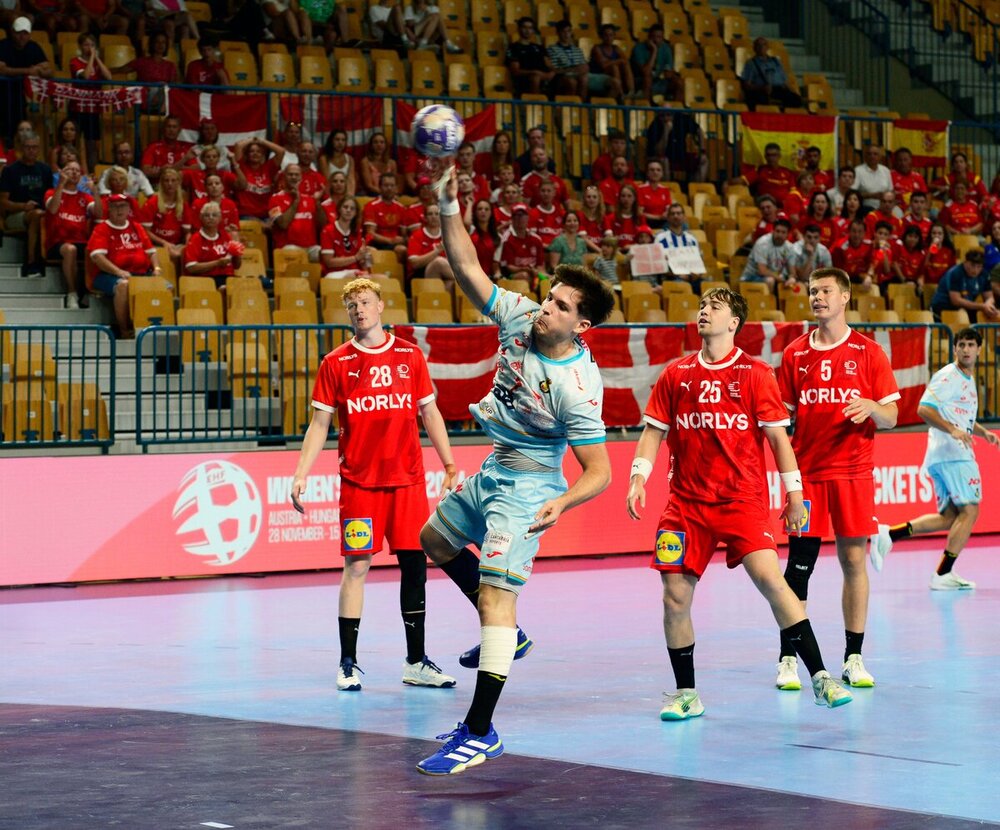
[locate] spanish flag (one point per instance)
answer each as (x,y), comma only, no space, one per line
(793,133)
(927,140)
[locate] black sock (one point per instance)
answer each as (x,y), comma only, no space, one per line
(787,647)
(903,531)
(349,637)
(803,642)
(463,570)
(854,642)
(947,563)
(413,627)
(682,662)
(412,601)
(484,701)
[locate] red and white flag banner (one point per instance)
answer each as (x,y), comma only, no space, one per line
(238,117)
(85,98)
(319,115)
(908,350)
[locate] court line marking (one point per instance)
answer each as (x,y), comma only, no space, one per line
(876,755)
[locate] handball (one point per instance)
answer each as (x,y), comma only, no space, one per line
(437,131)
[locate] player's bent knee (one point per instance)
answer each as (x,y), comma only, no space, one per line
(803,551)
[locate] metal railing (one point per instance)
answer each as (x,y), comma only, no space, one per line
(988,372)
(57,387)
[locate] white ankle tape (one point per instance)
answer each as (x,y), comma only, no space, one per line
(497,652)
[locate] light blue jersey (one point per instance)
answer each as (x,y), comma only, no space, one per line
(953,394)
(538,406)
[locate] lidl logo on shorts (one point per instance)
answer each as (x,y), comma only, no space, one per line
(358,534)
(670,547)
(807,504)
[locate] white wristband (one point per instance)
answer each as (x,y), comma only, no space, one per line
(641,467)
(792,481)
(449,207)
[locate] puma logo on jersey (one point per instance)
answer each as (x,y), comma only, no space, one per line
(686,384)
(354,374)
(803,369)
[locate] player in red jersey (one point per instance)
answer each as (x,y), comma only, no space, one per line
(839,386)
(716,408)
(68,214)
(377,384)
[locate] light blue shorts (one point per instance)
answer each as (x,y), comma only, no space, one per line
(493,510)
(956,483)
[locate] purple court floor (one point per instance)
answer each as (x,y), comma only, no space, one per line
(212,703)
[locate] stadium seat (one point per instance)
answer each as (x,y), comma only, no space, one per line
(639,302)
(314,72)
(395,317)
(484,16)
(581,15)
(643,17)
(678,306)
(199,345)
(395,300)
(425,77)
(390,76)
(955,320)
(547,14)
(302,300)
(83,415)
(241,68)
(277,70)
(865,304)
(204,300)
(154,307)
(284,284)
(490,47)
(453,13)
(433,316)
(283,257)
(918,317)
(138,284)
(496,79)
(352,75)
(883,316)
(34,371)
(463,82)
(438,300)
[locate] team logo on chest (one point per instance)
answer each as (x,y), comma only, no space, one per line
(850,367)
(403,370)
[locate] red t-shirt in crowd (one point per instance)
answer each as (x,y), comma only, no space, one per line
(385,218)
(960,215)
(421,242)
(201,248)
(610,188)
(486,250)
(414,215)
(774,181)
(854,261)
(937,263)
(334,242)
(127,247)
(546,223)
(829,231)
(260,185)
(876,216)
(600,168)
(908,184)
(164,223)
(654,201)
(515,252)
(71,222)
(924,224)
(201,73)
(165,153)
(302,229)
(230,213)
(194,182)
(622,227)
(911,262)
(133,206)
(532,181)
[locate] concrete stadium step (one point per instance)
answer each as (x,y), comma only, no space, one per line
(96,315)
(11,282)
(32,302)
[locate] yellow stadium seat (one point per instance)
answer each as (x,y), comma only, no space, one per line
(496,79)
(153,308)
(204,300)
(284,284)
(425,77)
(277,70)
(440,300)
(241,68)
(463,82)
(314,72)
(484,16)
(390,76)
(582,16)
(433,316)
(352,75)
(302,300)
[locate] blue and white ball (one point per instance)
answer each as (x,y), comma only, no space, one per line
(437,131)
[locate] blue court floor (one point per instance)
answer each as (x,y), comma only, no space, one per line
(923,744)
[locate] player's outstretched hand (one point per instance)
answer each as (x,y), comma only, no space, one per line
(636,497)
(859,410)
(546,517)
(298,488)
(794,513)
(446,184)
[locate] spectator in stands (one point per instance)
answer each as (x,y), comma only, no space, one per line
(208,70)
(334,158)
(88,66)
(546,218)
(137,181)
(23,185)
(166,216)
(296,219)
(413,217)
(850,211)
(880,269)
(592,216)
(568,247)
(287,22)
(676,138)
(387,24)
(505,176)
(313,182)
(531,71)
(343,249)
(906,180)
(944,188)
(12,152)
(211,251)
(539,172)
(607,59)
(961,214)
(521,254)
(102,17)
(991,254)
(485,236)
(853,254)
(908,257)
(256,175)
(20,56)
(941,255)
(291,142)
(208,136)
(822,179)
(118,186)
(845,182)
(68,216)
(383,219)
(466,196)
(808,254)
(501,153)
(764,80)
(675,236)
(600,168)
(611,186)
(797,199)
(330,20)
(769,213)
(337,191)
(425,27)
(121,250)
(215,192)
(376,162)
(772,178)
(653,65)
(167,152)
(626,217)
(504,211)
(771,257)
(167,17)
(819,213)
(884,213)
(465,162)
(606,263)
(425,251)
(872,178)
(68,136)
(573,75)
(194,177)
(536,138)
(961,286)
(918,213)
(154,68)
(654,196)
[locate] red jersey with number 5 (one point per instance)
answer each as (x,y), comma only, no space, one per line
(376,394)
(714,414)
(817,382)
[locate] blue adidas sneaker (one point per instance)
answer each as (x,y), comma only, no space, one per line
(470,659)
(461,750)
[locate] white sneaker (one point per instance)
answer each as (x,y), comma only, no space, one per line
(879,546)
(951,582)
(788,675)
(347,676)
(72,301)
(426,673)
(681,705)
(855,673)
(829,692)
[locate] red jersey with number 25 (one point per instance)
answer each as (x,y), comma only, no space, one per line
(817,382)
(714,414)
(376,394)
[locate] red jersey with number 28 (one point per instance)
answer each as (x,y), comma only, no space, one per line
(714,414)
(817,382)
(376,394)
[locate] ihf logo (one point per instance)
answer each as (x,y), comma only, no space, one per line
(220,512)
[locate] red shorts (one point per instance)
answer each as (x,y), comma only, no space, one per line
(849,504)
(688,534)
(367,516)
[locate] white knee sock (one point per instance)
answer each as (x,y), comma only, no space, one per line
(497,651)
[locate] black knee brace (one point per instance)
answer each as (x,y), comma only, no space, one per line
(802,554)
(412,580)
